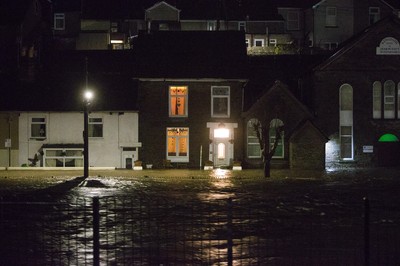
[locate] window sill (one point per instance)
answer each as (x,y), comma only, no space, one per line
(37,139)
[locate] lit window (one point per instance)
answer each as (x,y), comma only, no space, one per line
(275,129)
(178,98)
(59,21)
(292,20)
(331,17)
(95,127)
(178,144)
(38,127)
(253,145)
(374,15)
(220,101)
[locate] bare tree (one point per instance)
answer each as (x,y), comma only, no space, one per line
(263,136)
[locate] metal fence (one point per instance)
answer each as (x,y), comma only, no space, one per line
(146,231)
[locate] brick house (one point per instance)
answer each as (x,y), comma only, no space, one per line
(302,144)
(357,100)
(190,97)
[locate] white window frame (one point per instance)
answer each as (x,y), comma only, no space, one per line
(247,43)
(331,16)
(186,97)
(374,14)
(62,157)
(259,40)
(273,124)
(93,121)
(217,95)
(377,100)
(389,99)
(242,26)
(41,135)
(59,18)
(178,158)
(273,42)
(252,139)
(293,20)
(346,121)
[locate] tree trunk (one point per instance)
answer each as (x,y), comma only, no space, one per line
(267,168)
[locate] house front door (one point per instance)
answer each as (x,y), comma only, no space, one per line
(222,150)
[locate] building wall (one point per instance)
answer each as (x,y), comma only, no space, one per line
(154,119)
(360,66)
(344,20)
(9,130)
(119,130)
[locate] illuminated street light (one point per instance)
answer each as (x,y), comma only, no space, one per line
(88,96)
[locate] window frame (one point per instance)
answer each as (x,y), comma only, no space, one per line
(346,120)
(177,138)
(171,104)
(389,99)
(242,26)
(331,19)
(59,17)
(252,140)
(374,16)
(219,96)
(271,138)
(32,123)
(258,40)
(92,124)
(292,23)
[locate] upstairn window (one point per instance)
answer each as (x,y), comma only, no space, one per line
(374,15)
(220,101)
(242,26)
(38,127)
(59,21)
(331,17)
(95,127)
(292,20)
(178,144)
(178,101)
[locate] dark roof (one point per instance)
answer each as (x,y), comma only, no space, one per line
(395,4)
(187,54)
(61,84)
(295,3)
(189,9)
(263,71)
(13,12)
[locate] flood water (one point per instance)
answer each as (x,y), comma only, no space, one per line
(190,217)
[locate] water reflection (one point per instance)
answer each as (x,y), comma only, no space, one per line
(221,185)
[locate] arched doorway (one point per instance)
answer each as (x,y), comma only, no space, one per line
(388,151)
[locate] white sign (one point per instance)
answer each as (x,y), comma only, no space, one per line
(388,46)
(7,144)
(368,149)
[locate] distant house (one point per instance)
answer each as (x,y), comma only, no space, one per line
(357,100)
(190,97)
(302,144)
(46,117)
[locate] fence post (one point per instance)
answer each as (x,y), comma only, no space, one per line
(96,231)
(366,230)
(229,236)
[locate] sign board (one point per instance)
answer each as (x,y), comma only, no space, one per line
(7,143)
(368,149)
(388,46)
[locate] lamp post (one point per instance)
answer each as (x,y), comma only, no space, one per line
(88,96)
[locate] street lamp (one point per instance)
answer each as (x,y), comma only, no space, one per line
(87,98)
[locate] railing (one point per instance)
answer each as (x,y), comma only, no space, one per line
(151,231)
